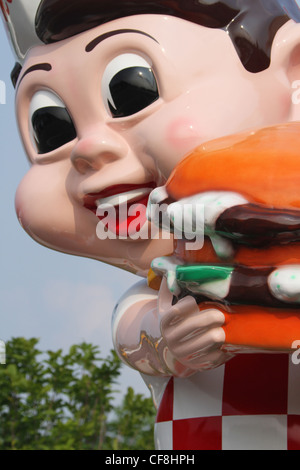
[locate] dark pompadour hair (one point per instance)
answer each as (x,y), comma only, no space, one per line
(251,24)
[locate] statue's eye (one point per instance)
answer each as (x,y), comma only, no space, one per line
(128,85)
(50,123)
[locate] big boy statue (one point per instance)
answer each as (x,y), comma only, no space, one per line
(127,104)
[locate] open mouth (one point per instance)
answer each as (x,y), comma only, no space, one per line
(121,208)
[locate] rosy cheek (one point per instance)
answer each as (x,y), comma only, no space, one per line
(183,134)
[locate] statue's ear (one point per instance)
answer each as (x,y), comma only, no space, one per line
(285,58)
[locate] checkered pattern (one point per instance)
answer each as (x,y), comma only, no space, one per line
(252,402)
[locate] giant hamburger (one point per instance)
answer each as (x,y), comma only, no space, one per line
(249,265)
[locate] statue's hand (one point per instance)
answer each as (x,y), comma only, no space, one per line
(194,337)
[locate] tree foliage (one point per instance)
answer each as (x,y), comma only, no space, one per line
(65,401)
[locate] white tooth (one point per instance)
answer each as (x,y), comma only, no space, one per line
(122,198)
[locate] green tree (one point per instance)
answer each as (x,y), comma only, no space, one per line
(58,401)
(132,427)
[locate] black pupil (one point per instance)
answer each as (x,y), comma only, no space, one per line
(53,127)
(132,90)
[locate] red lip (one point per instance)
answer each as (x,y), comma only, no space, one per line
(90,199)
(120,227)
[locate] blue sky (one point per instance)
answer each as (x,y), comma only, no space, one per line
(60,299)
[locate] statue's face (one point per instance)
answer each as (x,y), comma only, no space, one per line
(111,111)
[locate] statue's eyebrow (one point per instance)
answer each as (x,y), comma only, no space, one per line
(104,36)
(46,67)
